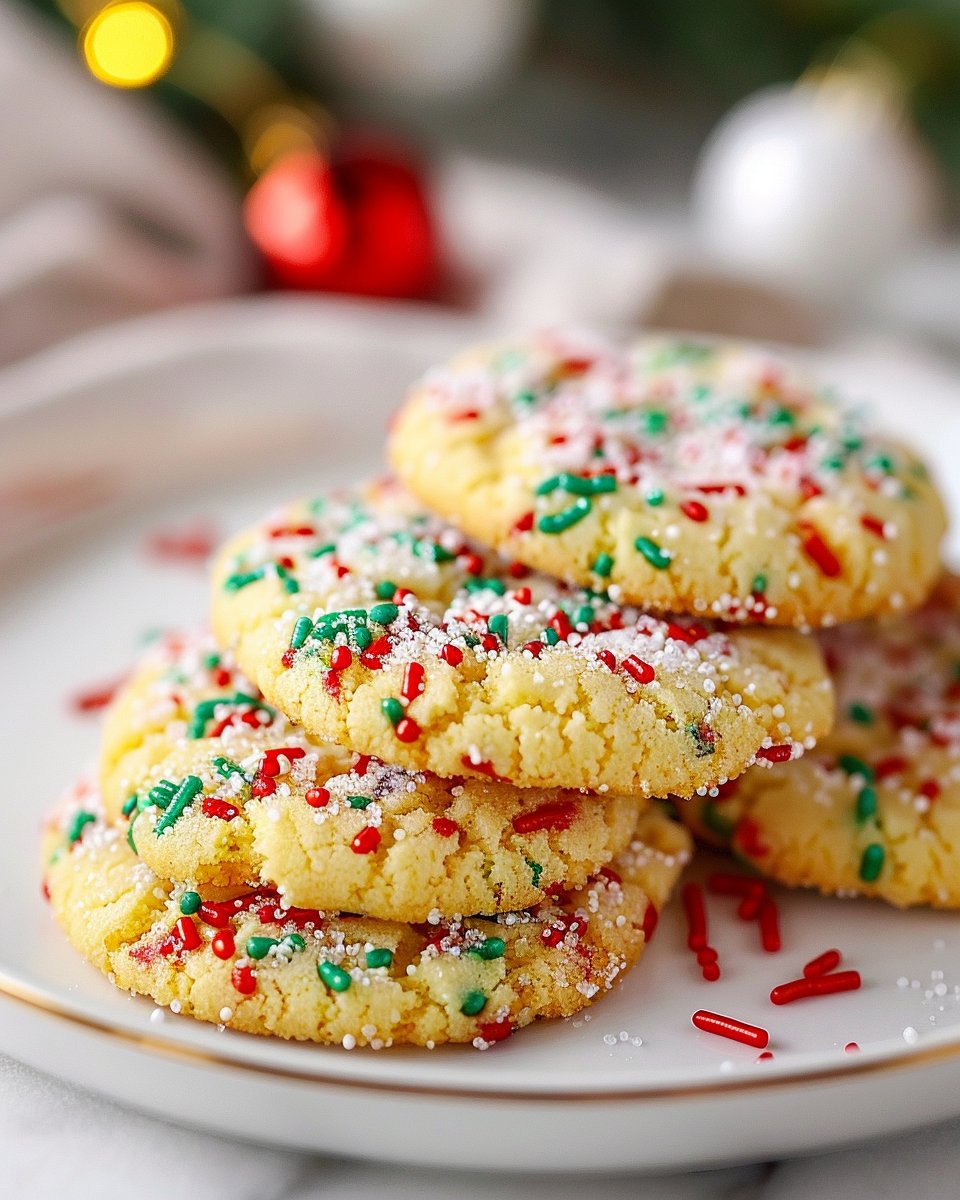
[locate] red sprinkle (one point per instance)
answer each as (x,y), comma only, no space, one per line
(930,788)
(452,655)
(769,921)
(828,961)
(496,1031)
(893,765)
(817,550)
(608,658)
(371,661)
(750,906)
(360,766)
(366,841)
(524,524)
(244,979)
(642,672)
(747,838)
(809,490)
(730,1027)
(695,510)
(874,525)
(548,816)
(213,806)
(97,697)
(716,489)
(692,896)
(412,686)
(651,919)
(472,564)
(222,944)
(341,658)
(560,624)
(851,1048)
(728,884)
(815,985)
(523,595)
(287,658)
(317,797)
(189,545)
(710,971)
(407,730)
(776,754)
(187,933)
(535,648)
(445,827)
(485,767)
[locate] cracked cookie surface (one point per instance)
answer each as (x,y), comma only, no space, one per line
(874,809)
(252,964)
(711,479)
(264,804)
(375,625)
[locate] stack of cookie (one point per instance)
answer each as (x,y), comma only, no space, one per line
(408,792)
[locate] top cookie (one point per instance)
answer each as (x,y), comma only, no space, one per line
(705,479)
(378,627)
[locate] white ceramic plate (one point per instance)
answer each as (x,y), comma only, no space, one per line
(217,414)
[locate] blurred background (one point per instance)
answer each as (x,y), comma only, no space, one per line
(777,168)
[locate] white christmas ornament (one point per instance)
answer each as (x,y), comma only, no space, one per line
(420,48)
(814,188)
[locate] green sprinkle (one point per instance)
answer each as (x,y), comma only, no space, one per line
(499,626)
(185,795)
(852,442)
(260,947)
(655,498)
(561,521)
(860,713)
(362,637)
(781,416)
(233,583)
(130,842)
(855,766)
(536,871)
(336,978)
(866,803)
(190,903)
(318,505)
(473,1002)
(491,948)
(392,709)
(320,551)
(699,391)
(526,398)
(880,462)
(301,631)
(129,805)
(432,551)
(342,615)
(485,585)
(704,745)
(359,801)
(655,555)
(871,863)
(603,565)
(211,661)
(550,636)
(290,585)
(584,615)
(833,463)
(379,958)
(654,421)
(159,795)
(549,485)
(293,942)
(80,821)
(226,767)
(385,589)
(759,585)
(384,614)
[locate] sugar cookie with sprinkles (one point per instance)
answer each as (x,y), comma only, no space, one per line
(377,626)
(253,964)
(874,810)
(710,479)
(332,829)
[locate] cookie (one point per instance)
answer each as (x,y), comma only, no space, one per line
(252,964)
(705,479)
(874,810)
(375,625)
(329,828)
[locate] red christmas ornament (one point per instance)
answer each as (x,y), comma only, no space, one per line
(357,222)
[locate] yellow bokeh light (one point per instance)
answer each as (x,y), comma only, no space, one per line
(128,44)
